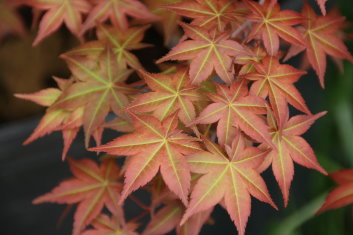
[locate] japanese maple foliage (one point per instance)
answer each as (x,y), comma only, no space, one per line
(200,131)
(342,195)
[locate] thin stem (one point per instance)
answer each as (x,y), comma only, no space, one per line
(140,216)
(139,203)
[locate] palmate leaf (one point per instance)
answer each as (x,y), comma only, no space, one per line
(290,146)
(230,177)
(320,35)
(275,80)
(99,88)
(67,121)
(117,11)
(232,107)
(169,217)
(208,51)
(121,43)
(93,188)
(169,93)
(104,225)
(59,12)
(210,13)
(342,195)
(272,23)
(155,145)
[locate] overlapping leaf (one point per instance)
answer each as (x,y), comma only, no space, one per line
(104,225)
(230,177)
(168,20)
(93,188)
(121,43)
(210,13)
(68,121)
(320,35)
(117,11)
(155,145)
(290,146)
(99,88)
(208,51)
(272,23)
(276,81)
(59,12)
(169,217)
(233,108)
(169,93)
(342,195)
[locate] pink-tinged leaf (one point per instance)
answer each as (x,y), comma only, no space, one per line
(322,6)
(276,81)
(231,178)
(237,109)
(290,147)
(194,224)
(44,97)
(165,220)
(120,124)
(68,135)
(209,51)
(120,42)
(117,12)
(59,12)
(320,37)
(92,188)
(170,93)
(99,88)
(272,23)
(168,21)
(209,14)
(103,225)
(155,145)
(342,195)
(49,123)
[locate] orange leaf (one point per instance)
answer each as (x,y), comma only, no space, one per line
(272,23)
(93,187)
(155,145)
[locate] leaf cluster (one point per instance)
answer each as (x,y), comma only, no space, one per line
(200,132)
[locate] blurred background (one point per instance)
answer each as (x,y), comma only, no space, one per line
(29,171)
